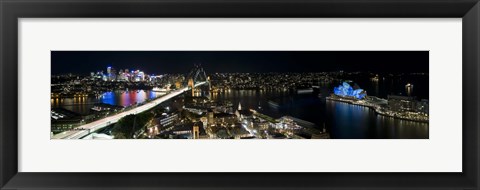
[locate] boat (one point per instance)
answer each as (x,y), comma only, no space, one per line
(156,89)
(273,104)
(305,91)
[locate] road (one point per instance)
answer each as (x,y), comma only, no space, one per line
(83,130)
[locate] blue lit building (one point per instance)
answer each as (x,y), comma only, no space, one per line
(345,90)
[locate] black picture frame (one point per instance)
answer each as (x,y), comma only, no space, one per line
(11,10)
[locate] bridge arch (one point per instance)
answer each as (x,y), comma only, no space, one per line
(196,75)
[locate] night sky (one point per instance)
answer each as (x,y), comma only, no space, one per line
(181,62)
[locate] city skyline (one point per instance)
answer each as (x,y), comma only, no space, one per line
(240,95)
(177,62)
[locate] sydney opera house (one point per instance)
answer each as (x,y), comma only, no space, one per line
(346,90)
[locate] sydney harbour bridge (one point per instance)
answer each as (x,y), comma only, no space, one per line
(197,75)
(198,84)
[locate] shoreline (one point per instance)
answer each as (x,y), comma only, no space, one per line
(375,108)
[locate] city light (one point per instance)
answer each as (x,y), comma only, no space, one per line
(201,103)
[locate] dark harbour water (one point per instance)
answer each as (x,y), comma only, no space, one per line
(82,105)
(342,120)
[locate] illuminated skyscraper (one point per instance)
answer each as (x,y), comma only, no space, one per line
(409,89)
(113,74)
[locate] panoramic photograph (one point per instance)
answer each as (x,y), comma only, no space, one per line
(239,95)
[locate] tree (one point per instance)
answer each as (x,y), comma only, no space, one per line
(130,124)
(223,134)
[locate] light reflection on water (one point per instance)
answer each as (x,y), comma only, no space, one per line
(348,121)
(342,120)
(82,105)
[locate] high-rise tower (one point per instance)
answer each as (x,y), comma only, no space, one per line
(196,132)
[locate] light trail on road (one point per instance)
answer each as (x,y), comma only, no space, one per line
(83,130)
